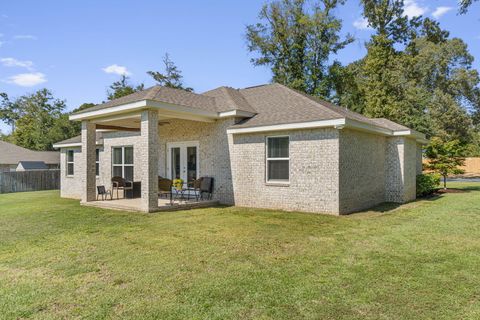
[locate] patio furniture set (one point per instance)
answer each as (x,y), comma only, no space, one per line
(198,189)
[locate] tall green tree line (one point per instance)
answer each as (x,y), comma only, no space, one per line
(413,73)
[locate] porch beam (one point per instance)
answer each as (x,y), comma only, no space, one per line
(119,128)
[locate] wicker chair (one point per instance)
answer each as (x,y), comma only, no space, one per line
(195,186)
(202,187)
(122,184)
(206,187)
(165,188)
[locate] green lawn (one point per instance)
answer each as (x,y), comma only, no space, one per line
(60,260)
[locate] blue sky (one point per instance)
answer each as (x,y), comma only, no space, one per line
(78,48)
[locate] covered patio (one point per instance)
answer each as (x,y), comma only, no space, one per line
(143,120)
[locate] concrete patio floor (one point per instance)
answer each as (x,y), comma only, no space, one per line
(163,204)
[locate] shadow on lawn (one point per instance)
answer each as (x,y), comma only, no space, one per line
(391,206)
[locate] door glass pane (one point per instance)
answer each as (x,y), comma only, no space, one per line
(278,170)
(128,155)
(128,173)
(117,155)
(175,163)
(278,147)
(117,171)
(191,163)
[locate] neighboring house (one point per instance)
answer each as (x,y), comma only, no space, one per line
(266,146)
(31,165)
(11,155)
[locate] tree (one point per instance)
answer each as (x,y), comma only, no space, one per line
(8,111)
(414,74)
(445,157)
(41,121)
(386,17)
(122,88)
(297,43)
(172,76)
(464,5)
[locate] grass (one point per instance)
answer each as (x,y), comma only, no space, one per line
(419,261)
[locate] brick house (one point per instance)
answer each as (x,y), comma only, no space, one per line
(266,146)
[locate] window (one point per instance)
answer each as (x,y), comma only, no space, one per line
(122,162)
(97,162)
(70,169)
(278,159)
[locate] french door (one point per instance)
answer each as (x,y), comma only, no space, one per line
(183,161)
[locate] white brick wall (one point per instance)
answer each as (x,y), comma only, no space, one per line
(331,171)
(314,175)
(362,176)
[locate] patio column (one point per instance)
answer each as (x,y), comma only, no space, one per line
(88,159)
(148,160)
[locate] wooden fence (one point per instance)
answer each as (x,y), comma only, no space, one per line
(19,181)
(472,166)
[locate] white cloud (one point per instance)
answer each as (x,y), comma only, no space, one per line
(361,24)
(24,37)
(12,62)
(116,69)
(27,79)
(413,9)
(440,11)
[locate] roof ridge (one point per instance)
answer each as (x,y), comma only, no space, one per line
(259,85)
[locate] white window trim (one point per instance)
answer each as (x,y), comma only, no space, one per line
(70,162)
(267,159)
(123,165)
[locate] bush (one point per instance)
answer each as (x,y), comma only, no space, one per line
(427,184)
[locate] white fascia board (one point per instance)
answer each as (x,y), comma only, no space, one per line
(236,113)
(144,104)
(402,133)
(110,111)
(418,136)
(290,126)
(71,145)
(66,145)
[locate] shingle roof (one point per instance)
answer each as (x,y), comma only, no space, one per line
(78,139)
(272,104)
(228,99)
(33,165)
(12,154)
(162,94)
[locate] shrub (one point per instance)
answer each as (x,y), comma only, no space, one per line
(427,184)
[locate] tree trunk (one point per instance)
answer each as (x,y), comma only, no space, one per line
(444,182)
